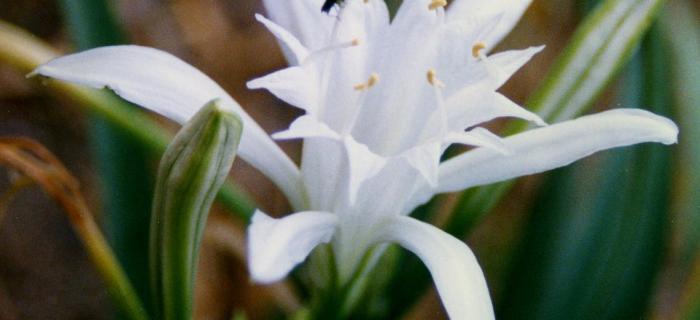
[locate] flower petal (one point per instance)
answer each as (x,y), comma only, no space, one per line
(324,171)
(501,66)
(478,137)
(292,48)
(145,76)
(275,246)
(455,271)
(363,163)
(474,105)
(159,81)
(511,11)
(555,146)
(425,159)
(304,19)
(306,126)
(293,85)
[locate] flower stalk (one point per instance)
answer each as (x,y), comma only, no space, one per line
(191,172)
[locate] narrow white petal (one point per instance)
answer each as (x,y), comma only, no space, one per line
(293,85)
(304,19)
(324,172)
(364,164)
(478,137)
(425,159)
(292,48)
(160,82)
(275,246)
(511,10)
(306,126)
(390,191)
(474,105)
(145,76)
(555,146)
(508,62)
(454,268)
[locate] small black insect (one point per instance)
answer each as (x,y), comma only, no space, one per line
(328,5)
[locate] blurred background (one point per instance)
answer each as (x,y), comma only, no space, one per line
(612,237)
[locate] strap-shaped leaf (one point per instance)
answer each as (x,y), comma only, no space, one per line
(595,241)
(600,47)
(191,172)
(681,27)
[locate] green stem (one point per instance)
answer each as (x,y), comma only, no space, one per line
(107,265)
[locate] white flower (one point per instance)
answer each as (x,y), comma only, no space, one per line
(382,101)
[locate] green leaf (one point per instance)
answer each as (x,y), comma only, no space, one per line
(190,174)
(681,27)
(595,241)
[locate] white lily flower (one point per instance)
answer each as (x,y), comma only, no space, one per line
(382,100)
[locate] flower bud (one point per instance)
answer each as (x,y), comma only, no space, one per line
(190,174)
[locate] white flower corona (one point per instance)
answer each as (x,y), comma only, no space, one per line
(382,101)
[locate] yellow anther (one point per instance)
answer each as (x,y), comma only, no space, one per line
(433,80)
(371,82)
(355,42)
(434,4)
(476,49)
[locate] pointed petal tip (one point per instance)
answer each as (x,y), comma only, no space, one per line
(253,84)
(276,246)
(32,74)
(459,280)
(666,131)
(539,122)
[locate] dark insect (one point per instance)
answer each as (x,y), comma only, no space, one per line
(328,5)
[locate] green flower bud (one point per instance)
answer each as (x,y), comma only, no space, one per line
(190,174)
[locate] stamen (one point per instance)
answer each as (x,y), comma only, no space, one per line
(433,80)
(478,53)
(440,99)
(362,87)
(338,46)
(435,4)
(371,82)
(477,49)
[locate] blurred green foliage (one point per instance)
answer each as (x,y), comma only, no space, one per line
(596,238)
(123,163)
